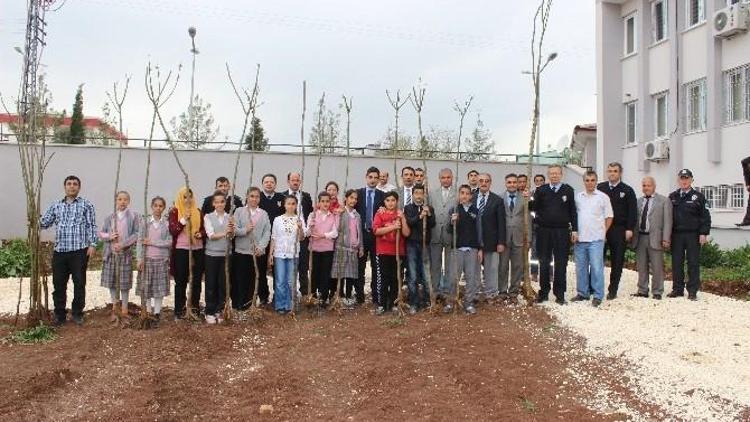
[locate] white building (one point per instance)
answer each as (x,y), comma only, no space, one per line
(673,83)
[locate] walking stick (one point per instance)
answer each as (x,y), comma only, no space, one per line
(455,261)
(254,311)
(426,266)
(293,285)
(336,304)
(309,299)
(400,294)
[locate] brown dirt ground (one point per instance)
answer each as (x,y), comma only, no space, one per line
(501,364)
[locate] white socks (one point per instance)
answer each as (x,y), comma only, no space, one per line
(157,305)
(123,295)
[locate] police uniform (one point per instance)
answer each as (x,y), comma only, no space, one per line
(690,220)
(624,205)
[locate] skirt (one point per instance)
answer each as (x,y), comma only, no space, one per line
(153,281)
(349,265)
(124,265)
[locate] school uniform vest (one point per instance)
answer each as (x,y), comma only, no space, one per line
(217,247)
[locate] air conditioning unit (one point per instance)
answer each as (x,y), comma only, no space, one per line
(731,21)
(657,150)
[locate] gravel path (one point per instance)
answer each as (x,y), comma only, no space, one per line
(688,358)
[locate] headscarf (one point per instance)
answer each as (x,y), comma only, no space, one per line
(183,212)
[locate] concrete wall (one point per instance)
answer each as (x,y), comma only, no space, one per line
(95,166)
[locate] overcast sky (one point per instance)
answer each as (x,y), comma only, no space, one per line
(356,48)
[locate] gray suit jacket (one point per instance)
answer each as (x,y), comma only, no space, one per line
(659,221)
(514,220)
(401,196)
(442,209)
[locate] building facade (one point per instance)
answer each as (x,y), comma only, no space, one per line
(673,91)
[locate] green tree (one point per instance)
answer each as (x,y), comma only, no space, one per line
(77,134)
(479,147)
(325,134)
(204,129)
(256,140)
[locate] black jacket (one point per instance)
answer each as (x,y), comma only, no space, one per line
(378,201)
(468,228)
(208,204)
(746,170)
(412,212)
(274,206)
(492,220)
(690,213)
(624,204)
(555,209)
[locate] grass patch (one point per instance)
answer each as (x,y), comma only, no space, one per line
(396,321)
(35,335)
(550,328)
(527,404)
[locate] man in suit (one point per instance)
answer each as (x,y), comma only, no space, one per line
(405,191)
(511,260)
(492,220)
(472,178)
(272,203)
(652,237)
(746,173)
(224,186)
(442,199)
(304,208)
(370,199)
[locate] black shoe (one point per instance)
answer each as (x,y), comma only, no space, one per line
(541,299)
(639,294)
(743,224)
(561,301)
(611,296)
(657,297)
(673,294)
(78,319)
(579,298)
(693,296)
(155,321)
(58,321)
(596,302)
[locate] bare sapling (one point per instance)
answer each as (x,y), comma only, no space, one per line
(461,109)
(348,108)
(396,103)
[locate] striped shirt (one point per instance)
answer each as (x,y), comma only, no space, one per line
(76,224)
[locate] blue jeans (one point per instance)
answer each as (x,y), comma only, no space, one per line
(283,283)
(590,266)
(414,254)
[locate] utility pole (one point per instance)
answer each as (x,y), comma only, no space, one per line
(35,34)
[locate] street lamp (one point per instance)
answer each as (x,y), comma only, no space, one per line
(191,32)
(537,77)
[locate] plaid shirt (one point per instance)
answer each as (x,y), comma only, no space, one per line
(76,224)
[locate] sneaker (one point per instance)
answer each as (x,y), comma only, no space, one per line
(395,311)
(58,321)
(412,310)
(210,319)
(379,311)
(470,310)
(78,319)
(579,298)
(674,294)
(155,321)
(657,297)
(178,317)
(692,296)
(447,309)
(219,318)
(596,302)
(639,294)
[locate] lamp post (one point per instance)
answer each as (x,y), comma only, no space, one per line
(194,51)
(537,105)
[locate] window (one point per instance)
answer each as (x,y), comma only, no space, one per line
(695,106)
(659,19)
(710,193)
(731,2)
(737,94)
(630,122)
(660,110)
(738,196)
(630,38)
(695,12)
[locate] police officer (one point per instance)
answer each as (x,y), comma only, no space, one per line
(690,228)
(622,198)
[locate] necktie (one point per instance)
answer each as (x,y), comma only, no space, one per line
(407,201)
(644,214)
(512,201)
(368,217)
(482,202)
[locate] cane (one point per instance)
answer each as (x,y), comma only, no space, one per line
(399,278)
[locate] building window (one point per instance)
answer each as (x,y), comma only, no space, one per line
(695,12)
(659,19)
(710,193)
(695,106)
(738,196)
(630,37)
(731,2)
(630,122)
(660,110)
(737,94)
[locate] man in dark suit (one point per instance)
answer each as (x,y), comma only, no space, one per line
(224,186)
(272,203)
(492,220)
(370,199)
(746,173)
(304,208)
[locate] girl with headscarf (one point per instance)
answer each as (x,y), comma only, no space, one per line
(186,228)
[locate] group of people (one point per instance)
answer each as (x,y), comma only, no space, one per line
(431,235)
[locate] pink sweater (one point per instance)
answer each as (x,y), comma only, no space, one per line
(324,225)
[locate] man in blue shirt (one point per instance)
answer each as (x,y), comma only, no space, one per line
(75,243)
(369,200)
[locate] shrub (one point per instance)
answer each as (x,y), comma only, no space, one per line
(15,259)
(39,334)
(711,255)
(737,258)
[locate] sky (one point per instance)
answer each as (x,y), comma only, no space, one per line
(459,48)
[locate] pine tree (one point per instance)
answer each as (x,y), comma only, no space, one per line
(479,147)
(77,134)
(259,142)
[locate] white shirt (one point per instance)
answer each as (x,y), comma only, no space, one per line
(408,195)
(593,209)
(209,226)
(284,236)
(486,196)
(386,188)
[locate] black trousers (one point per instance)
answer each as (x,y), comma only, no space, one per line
(181,275)
(67,265)
(386,283)
(746,220)
(347,287)
(322,282)
(263,292)
(686,244)
(616,245)
(368,244)
(215,284)
(304,266)
(243,280)
(553,242)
